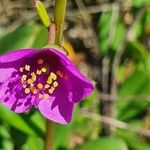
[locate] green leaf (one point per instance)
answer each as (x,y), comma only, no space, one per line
(22,37)
(111,31)
(34,143)
(42,13)
(134,141)
(104,144)
(133,83)
(15,120)
(139,3)
(137,84)
(41,38)
(104,27)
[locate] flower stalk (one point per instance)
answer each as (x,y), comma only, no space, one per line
(59,17)
(55,36)
(50,134)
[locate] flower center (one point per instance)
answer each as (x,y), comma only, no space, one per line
(41,81)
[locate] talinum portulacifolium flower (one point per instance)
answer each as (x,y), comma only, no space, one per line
(43,78)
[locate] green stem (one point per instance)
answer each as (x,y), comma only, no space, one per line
(49,137)
(60,10)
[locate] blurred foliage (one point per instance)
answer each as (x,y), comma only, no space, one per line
(26,131)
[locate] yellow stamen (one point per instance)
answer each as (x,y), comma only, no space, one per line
(27,90)
(33,90)
(55,84)
(40,96)
(49,80)
(27,67)
(30,81)
(51,91)
(53,76)
(58,72)
(38,72)
(33,76)
(21,69)
(43,69)
(40,86)
(46,96)
(40,61)
(24,77)
(46,86)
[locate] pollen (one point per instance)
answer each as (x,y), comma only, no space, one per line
(49,80)
(30,81)
(40,96)
(55,84)
(51,90)
(33,76)
(27,90)
(40,86)
(24,77)
(27,67)
(58,72)
(46,96)
(40,61)
(38,72)
(46,86)
(53,76)
(21,69)
(44,70)
(34,90)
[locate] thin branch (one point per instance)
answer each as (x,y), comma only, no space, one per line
(115,123)
(110,97)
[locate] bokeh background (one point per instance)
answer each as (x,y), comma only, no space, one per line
(109,41)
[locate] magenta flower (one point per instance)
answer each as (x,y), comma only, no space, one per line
(44,78)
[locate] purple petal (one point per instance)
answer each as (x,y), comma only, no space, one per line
(57,108)
(81,87)
(15,55)
(11,95)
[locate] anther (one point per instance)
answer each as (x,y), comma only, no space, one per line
(27,90)
(58,72)
(51,90)
(24,77)
(38,72)
(40,61)
(40,86)
(33,90)
(21,69)
(30,81)
(46,86)
(43,70)
(55,84)
(49,80)
(27,67)
(46,96)
(53,76)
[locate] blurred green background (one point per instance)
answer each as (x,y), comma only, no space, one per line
(109,40)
